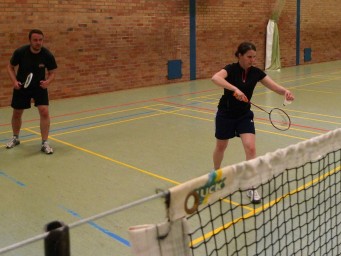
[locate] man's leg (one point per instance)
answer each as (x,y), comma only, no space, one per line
(45,128)
(16,126)
(44,121)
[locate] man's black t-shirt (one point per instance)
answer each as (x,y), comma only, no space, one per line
(35,63)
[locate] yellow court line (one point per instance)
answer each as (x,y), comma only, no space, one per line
(292,116)
(317,91)
(133,119)
(185,108)
(312,113)
(178,114)
(259,122)
(237,204)
(110,159)
(263,207)
(129,120)
(291,87)
(269,91)
(286,81)
(87,117)
(131,166)
(162,112)
(88,128)
(104,125)
(122,163)
(302,85)
(277,133)
(289,110)
(316,120)
(105,114)
(98,115)
(283,134)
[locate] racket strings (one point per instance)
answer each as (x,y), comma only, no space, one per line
(279,119)
(28,80)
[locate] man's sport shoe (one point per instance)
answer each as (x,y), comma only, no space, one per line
(254,196)
(12,142)
(45,147)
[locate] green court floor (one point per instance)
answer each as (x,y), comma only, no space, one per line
(112,149)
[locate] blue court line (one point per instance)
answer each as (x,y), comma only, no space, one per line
(103,230)
(86,124)
(117,118)
(94,123)
(122,117)
(102,121)
(19,183)
(27,136)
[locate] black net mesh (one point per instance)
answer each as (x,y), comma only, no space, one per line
(298,215)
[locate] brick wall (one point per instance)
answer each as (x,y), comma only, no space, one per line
(222,25)
(108,45)
(321,29)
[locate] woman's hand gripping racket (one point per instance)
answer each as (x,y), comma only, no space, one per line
(278,117)
(28,80)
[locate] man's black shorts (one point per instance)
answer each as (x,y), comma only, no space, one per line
(21,99)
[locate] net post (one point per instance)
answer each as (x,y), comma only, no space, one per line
(57,242)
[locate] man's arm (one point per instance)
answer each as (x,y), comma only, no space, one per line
(50,77)
(11,73)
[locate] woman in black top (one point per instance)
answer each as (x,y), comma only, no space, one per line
(234,117)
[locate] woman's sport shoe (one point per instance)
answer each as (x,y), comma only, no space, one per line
(12,142)
(45,147)
(254,196)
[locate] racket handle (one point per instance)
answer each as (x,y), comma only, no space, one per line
(243,99)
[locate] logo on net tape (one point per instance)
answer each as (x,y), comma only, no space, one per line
(201,195)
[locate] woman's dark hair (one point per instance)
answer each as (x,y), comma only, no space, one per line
(35,31)
(244,47)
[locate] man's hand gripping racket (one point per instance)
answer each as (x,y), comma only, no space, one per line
(278,117)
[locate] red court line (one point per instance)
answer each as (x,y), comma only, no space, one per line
(155,99)
(257,118)
(310,74)
(115,106)
(160,100)
(185,106)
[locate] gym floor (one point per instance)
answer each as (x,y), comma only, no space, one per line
(112,149)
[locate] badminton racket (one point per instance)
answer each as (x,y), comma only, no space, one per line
(28,80)
(277,117)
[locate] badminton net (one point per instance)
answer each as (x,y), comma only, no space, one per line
(299,213)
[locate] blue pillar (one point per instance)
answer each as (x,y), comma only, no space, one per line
(298,30)
(192,40)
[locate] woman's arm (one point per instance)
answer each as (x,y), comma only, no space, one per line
(273,86)
(219,79)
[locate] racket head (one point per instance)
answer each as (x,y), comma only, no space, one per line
(279,119)
(28,80)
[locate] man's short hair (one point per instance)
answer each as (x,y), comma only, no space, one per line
(35,31)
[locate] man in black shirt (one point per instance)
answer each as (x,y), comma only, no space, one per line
(36,59)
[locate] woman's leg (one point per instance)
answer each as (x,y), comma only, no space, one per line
(218,154)
(249,144)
